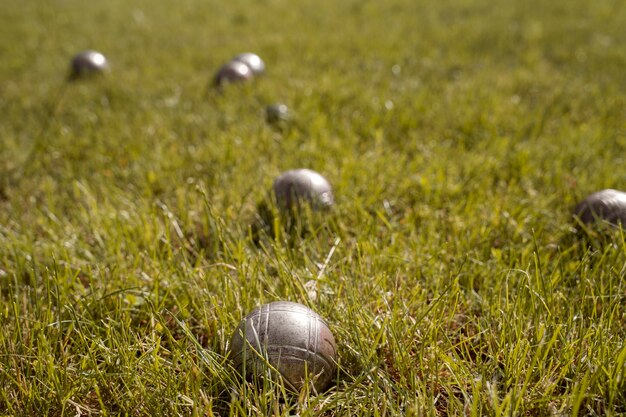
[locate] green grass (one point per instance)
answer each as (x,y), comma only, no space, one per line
(457,135)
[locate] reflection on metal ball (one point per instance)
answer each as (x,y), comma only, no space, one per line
(294,186)
(290,337)
(253,61)
(606,205)
(88,63)
(232,72)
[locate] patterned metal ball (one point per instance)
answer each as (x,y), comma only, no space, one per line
(277,113)
(292,338)
(608,205)
(232,72)
(253,61)
(88,63)
(297,185)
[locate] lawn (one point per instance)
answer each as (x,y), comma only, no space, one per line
(137,226)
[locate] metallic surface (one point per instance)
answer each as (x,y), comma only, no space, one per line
(88,62)
(232,72)
(276,113)
(292,338)
(608,205)
(294,186)
(253,61)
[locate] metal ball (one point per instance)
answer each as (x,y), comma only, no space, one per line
(88,63)
(253,61)
(277,113)
(233,72)
(292,338)
(294,186)
(608,205)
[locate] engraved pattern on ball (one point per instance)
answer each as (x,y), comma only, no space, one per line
(294,186)
(253,61)
(608,205)
(88,62)
(294,339)
(233,72)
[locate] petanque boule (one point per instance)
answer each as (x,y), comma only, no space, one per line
(606,205)
(232,72)
(253,61)
(277,113)
(293,187)
(88,63)
(292,339)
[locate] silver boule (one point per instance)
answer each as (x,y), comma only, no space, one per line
(607,205)
(292,338)
(295,186)
(232,72)
(277,113)
(88,63)
(253,61)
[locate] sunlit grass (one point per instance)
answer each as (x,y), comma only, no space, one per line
(137,226)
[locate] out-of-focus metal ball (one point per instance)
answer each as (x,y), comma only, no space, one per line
(253,61)
(292,338)
(233,72)
(88,63)
(277,113)
(608,205)
(297,185)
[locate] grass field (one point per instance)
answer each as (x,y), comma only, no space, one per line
(457,134)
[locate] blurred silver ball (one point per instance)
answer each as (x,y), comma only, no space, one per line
(253,61)
(88,63)
(292,338)
(232,72)
(303,185)
(608,205)
(277,113)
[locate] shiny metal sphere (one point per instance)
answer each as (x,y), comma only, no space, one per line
(233,72)
(292,338)
(253,61)
(276,113)
(87,63)
(297,185)
(608,205)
